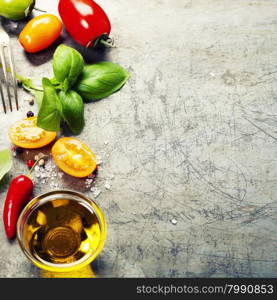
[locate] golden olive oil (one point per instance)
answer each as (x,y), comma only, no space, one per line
(62,231)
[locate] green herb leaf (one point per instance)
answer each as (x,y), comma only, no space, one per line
(5,162)
(54,81)
(67,65)
(73,110)
(100,80)
(49,116)
(38,97)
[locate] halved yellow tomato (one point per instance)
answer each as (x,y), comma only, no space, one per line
(26,134)
(74,157)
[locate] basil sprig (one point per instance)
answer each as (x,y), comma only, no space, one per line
(62,97)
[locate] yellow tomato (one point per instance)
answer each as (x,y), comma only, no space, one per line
(74,157)
(26,134)
(40,33)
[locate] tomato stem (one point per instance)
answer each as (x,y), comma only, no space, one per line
(38,9)
(103,39)
(109,43)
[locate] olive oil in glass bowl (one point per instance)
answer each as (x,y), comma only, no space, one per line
(61,231)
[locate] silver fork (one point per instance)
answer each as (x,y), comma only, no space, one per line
(7,61)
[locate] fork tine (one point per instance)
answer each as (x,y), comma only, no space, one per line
(11,62)
(4,64)
(2,98)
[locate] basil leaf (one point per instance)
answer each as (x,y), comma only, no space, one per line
(38,97)
(73,110)
(68,63)
(49,116)
(54,81)
(100,80)
(5,162)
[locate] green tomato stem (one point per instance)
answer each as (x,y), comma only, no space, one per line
(109,43)
(38,9)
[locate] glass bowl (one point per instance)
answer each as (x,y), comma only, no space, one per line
(58,239)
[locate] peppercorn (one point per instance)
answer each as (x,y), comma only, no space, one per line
(30,163)
(18,150)
(41,162)
(30,114)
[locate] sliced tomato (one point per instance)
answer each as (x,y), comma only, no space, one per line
(74,157)
(26,134)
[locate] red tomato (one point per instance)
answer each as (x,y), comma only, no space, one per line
(85,21)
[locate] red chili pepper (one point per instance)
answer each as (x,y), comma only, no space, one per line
(85,21)
(19,193)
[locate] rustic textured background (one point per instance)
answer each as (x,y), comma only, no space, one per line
(190,140)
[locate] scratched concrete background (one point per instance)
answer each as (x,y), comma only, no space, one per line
(191,140)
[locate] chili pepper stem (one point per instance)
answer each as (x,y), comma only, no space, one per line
(29,174)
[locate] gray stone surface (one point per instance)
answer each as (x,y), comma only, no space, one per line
(190,138)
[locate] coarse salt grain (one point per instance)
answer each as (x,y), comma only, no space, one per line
(46,173)
(99,160)
(174,221)
(107,186)
(48,167)
(96,192)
